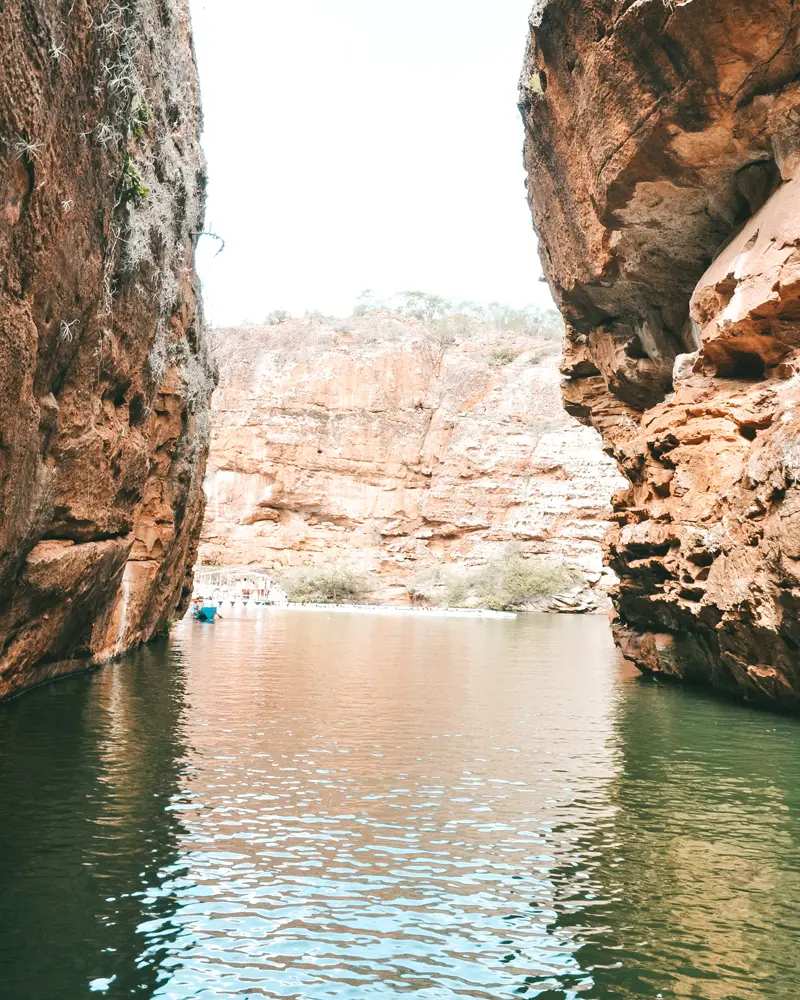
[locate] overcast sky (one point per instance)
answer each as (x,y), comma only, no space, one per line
(358,144)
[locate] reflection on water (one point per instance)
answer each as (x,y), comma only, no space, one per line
(309,805)
(89,768)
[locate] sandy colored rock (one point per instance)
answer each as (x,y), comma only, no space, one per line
(662,151)
(104,382)
(373,446)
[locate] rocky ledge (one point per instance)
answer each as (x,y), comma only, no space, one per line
(378,444)
(663,148)
(104,380)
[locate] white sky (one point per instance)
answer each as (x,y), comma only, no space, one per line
(358,144)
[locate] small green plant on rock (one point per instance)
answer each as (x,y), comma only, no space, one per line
(140,116)
(130,185)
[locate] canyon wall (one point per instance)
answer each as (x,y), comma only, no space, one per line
(374,445)
(662,149)
(104,377)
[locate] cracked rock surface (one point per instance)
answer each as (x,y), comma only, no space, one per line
(663,150)
(368,444)
(104,381)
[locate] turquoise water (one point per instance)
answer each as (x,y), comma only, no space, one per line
(310,805)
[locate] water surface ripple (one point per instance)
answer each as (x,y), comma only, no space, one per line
(312,805)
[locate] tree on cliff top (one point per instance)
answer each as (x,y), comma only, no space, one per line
(456,320)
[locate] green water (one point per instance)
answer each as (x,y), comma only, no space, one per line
(312,805)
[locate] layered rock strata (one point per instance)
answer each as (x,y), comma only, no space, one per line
(662,148)
(104,378)
(372,445)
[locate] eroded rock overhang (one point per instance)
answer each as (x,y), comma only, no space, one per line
(663,148)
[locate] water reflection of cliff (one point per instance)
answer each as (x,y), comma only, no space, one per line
(375,799)
(692,890)
(321,804)
(89,767)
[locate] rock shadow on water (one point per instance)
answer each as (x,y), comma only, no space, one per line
(88,842)
(689,888)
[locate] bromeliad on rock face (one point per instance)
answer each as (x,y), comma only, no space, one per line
(663,155)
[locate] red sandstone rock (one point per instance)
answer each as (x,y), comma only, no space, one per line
(104,385)
(663,148)
(382,449)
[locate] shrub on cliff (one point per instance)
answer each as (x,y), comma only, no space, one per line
(548,351)
(506,583)
(511,583)
(503,355)
(453,322)
(427,586)
(330,585)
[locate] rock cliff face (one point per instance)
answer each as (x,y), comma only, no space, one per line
(377,447)
(104,382)
(663,147)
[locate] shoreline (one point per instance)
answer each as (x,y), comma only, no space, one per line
(379,609)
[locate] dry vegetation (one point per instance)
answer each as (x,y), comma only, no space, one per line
(331,585)
(508,582)
(494,334)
